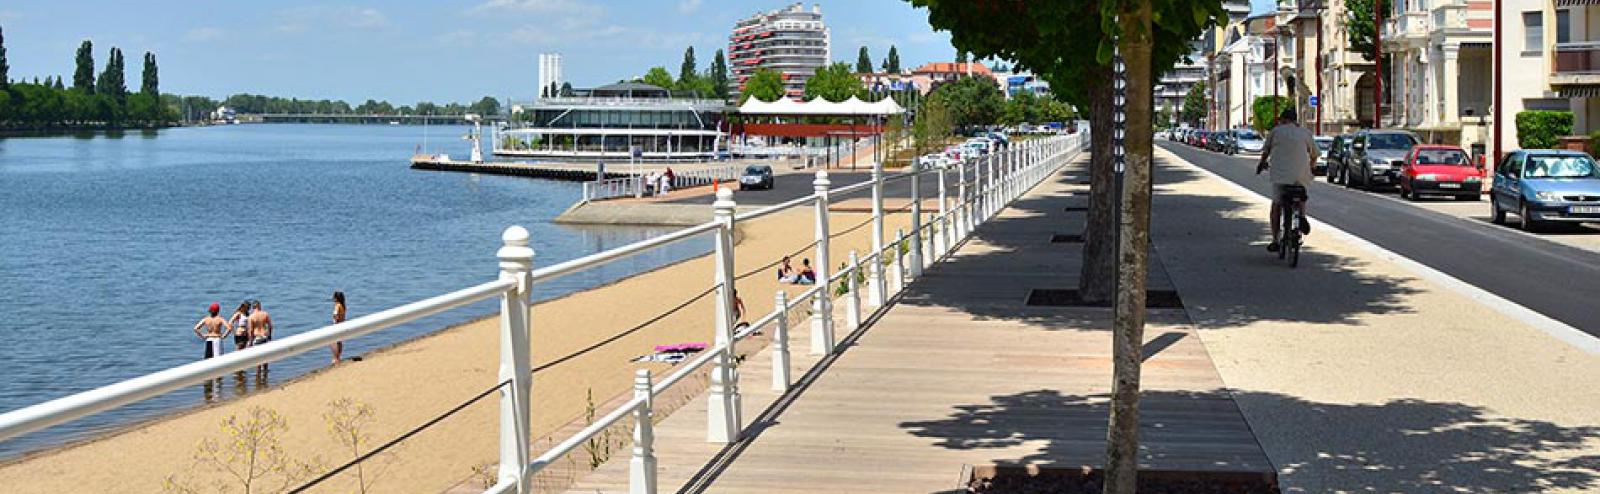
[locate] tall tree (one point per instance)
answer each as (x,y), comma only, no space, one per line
(1194,104)
(83,77)
(891,62)
(150,82)
(764,85)
(487,106)
(718,75)
(566,89)
(58,85)
(113,79)
(658,76)
(1361,27)
(833,83)
(5,69)
(687,71)
(961,56)
(863,61)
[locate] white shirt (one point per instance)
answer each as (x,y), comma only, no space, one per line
(1292,149)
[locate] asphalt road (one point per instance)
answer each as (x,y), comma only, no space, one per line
(1556,280)
(792,185)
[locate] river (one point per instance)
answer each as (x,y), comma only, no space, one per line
(112,245)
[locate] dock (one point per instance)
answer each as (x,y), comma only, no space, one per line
(552,171)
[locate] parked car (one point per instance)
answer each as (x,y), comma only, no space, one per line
(1377,155)
(756,177)
(1223,142)
(1199,139)
(1323,144)
(1338,153)
(1440,170)
(1247,141)
(1544,186)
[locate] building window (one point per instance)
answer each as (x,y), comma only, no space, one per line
(1532,32)
(1563,26)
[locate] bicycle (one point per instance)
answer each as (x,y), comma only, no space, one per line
(1289,245)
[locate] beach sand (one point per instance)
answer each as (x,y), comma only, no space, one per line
(410,383)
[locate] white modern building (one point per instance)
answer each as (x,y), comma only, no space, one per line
(549,74)
(792,41)
(610,122)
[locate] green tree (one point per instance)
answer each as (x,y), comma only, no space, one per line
(5,68)
(765,85)
(863,61)
(717,75)
(833,83)
(150,82)
(1194,104)
(1361,27)
(1264,111)
(961,56)
(891,62)
(83,77)
(658,76)
(58,86)
(973,100)
(933,125)
(566,89)
(687,72)
(113,79)
(1538,129)
(486,106)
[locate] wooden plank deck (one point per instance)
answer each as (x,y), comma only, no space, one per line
(960,371)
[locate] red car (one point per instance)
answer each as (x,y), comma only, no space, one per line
(1440,170)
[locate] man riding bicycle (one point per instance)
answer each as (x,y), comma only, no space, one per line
(1289,152)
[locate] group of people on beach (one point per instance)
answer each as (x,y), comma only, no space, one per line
(804,276)
(251,325)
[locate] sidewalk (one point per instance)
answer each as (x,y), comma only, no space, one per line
(1357,375)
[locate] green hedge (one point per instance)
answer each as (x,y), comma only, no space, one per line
(1262,111)
(1538,129)
(1594,143)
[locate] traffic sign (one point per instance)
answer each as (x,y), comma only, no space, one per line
(1314,100)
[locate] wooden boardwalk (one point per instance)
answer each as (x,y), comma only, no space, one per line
(961,371)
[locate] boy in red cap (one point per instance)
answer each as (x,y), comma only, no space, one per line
(214,327)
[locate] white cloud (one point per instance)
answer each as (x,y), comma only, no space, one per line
(541,6)
(301,19)
(689,6)
(203,34)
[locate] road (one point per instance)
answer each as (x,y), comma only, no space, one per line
(1556,280)
(792,185)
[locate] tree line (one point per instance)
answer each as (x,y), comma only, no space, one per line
(256,103)
(712,83)
(92,101)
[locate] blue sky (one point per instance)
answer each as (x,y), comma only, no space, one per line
(407,50)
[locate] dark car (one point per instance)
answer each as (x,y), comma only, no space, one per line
(1544,186)
(1224,142)
(1376,157)
(1338,150)
(756,177)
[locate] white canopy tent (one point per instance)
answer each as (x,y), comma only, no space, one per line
(820,107)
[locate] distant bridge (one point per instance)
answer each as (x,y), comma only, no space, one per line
(360,118)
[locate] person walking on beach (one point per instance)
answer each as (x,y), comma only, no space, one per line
(338,317)
(210,330)
(260,324)
(240,322)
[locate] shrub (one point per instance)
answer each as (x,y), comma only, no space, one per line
(1538,129)
(1265,111)
(1594,143)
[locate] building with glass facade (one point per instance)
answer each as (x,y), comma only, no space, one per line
(792,41)
(611,121)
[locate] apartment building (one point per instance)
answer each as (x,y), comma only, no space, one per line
(792,41)
(1440,71)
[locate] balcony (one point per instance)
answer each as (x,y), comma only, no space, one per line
(1576,63)
(1410,28)
(1451,16)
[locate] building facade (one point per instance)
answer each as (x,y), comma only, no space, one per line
(1438,69)
(1173,86)
(792,41)
(609,122)
(549,74)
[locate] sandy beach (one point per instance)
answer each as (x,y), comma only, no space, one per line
(410,383)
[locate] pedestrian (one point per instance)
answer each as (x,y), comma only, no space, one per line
(666,183)
(260,324)
(240,321)
(338,317)
(210,330)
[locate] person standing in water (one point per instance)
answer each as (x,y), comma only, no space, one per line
(338,317)
(210,330)
(240,321)
(260,324)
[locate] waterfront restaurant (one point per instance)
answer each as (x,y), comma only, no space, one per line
(608,122)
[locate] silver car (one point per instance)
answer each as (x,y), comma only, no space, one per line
(1376,157)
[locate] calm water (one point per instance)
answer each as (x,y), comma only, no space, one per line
(111,247)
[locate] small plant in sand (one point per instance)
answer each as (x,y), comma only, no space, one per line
(598,447)
(249,457)
(348,422)
(486,474)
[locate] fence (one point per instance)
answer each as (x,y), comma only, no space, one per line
(983,187)
(635,186)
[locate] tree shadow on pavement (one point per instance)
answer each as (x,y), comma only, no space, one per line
(1423,446)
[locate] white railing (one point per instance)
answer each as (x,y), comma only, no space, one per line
(984,186)
(611,188)
(636,186)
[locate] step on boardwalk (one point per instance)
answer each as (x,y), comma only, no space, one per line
(962,371)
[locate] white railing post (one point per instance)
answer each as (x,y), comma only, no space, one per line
(899,261)
(992,192)
(516,260)
(944,210)
(822,305)
(963,213)
(916,219)
(780,343)
(877,291)
(724,409)
(852,304)
(642,467)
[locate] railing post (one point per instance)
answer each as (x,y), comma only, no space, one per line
(963,212)
(822,305)
(991,194)
(916,219)
(877,292)
(516,261)
(899,261)
(780,343)
(852,305)
(944,210)
(642,467)
(724,410)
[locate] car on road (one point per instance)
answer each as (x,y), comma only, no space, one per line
(1199,139)
(1222,142)
(756,177)
(1544,186)
(1247,141)
(1376,157)
(1324,143)
(1440,170)
(1338,153)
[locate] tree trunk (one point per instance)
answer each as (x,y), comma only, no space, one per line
(1097,276)
(1122,433)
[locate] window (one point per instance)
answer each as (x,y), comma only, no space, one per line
(1532,31)
(1563,26)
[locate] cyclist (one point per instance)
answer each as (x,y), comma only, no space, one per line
(1289,152)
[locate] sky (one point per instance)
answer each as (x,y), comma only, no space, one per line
(406,51)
